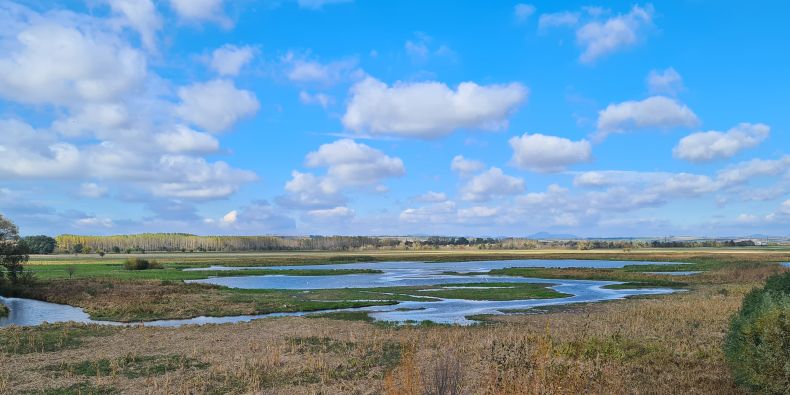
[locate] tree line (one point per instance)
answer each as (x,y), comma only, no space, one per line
(174,242)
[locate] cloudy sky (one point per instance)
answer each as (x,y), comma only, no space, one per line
(396,117)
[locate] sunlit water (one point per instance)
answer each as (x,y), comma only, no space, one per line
(450,311)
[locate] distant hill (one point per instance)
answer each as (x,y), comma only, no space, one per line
(552,236)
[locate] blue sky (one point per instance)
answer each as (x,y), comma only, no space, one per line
(408,117)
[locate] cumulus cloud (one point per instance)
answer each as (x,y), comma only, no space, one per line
(195,178)
(94,222)
(140,15)
(202,10)
(438,213)
(712,145)
(665,82)
(744,171)
(547,154)
(465,166)
(259,217)
(522,11)
(653,112)
(184,140)
(215,105)
(91,67)
(228,59)
(348,164)
(230,218)
(600,38)
(491,184)
(112,118)
(429,109)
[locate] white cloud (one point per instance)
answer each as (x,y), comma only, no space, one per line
(141,16)
(476,213)
(183,140)
(111,116)
(230,217)
(443,212)
(195,178)
(465,166)
(259,217)
(321,99)
(491,184)
(228,60)
(622,31)
(653,112)
(665,82)
(202,10)
(348,165)
(523,11)
(90,67)
(318,4)
(745,171)
(712,145)
(94,222)
(546,154)
(429,109)
(558,19)
(215,105)
(92,190)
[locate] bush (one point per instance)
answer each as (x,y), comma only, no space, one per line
(140,264)
(757,345)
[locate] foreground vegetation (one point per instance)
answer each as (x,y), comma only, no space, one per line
(661,344)
(670,344)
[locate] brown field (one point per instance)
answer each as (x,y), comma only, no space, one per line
(656,345)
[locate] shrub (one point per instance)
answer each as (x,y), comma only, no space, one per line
(140,264)
(757,345)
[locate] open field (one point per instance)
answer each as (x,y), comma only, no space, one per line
(661,344)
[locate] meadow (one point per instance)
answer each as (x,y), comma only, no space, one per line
(657,344)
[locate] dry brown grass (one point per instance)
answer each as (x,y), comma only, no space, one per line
(669,344)
(656,345)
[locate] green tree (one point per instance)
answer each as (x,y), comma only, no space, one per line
(77,248)
(13,251)
(40,244)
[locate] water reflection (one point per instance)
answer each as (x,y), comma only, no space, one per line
(454,311)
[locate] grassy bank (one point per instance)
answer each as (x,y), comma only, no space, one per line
(666,344)
(171,272)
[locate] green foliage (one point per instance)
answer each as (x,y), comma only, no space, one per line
(140,264)
(3,311)
(757,345)
(40,244)
(13,252)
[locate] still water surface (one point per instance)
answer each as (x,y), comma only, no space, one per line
(453,311)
